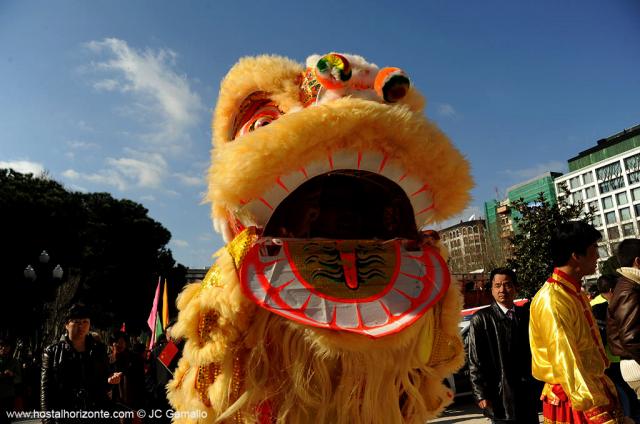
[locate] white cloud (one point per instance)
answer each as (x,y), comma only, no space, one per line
(138,169)
(81,145)
(82,125)
(24,166)
(180,243)
(446,110)
(189,180)
(106,85)
(539,169)
(148,198)
(470,213)
(161,95)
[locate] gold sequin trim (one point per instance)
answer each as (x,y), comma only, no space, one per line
(206,323)
(207,374)
(213,278)
(241,244)
(237,382)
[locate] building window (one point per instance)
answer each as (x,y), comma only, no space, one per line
(609,172)
(622,198)
(574,182)
(627,229)
(594,206)
(610,218)
(634,177)
(614,247)
(636,208)
(610,185)
(625,214)
(596,221)
(613,233)
(587,178)
(632,163)
(607,202)
(602,251)
(590,192)
(577,196)
(635,194)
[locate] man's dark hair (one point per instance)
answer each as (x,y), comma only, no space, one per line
(593,290)
(77,311)
(606,283)
(116,335)
(503,271)
(572,237)
(628,251)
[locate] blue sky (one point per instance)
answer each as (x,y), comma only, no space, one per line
(117,96)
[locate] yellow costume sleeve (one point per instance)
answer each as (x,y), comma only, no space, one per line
(564,349)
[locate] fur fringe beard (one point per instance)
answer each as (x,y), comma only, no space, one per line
(269,369)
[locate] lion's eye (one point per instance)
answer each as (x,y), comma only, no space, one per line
(261,117)
(261,122)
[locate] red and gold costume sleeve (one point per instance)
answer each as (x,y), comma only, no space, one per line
(566,348)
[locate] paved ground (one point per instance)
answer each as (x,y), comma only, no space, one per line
(463,410)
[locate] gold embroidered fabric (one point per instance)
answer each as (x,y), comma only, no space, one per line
(206,322)
(212,278)
(241,244)
(207,374)
(565,345)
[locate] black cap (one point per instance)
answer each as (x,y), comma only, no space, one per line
(77,311)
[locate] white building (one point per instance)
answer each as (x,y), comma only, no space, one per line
(607,178)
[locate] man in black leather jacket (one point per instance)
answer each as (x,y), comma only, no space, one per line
(75,370)
(499,355)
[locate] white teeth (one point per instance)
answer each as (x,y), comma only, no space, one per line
(296,295)
(347,315)
(373,314)
(410,185)
(396,303)
(345,159)
(274,196)
(412,267)
(371,161)
(293,180)
(393,170)
(258,211)
(420,202)
(320,309)
(317,167)
(254,212)
(409,285)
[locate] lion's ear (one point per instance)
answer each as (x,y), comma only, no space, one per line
(267,77)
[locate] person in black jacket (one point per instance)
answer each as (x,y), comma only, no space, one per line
(499,355)
(75,370)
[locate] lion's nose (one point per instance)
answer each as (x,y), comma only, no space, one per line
(333,71)
(391,84)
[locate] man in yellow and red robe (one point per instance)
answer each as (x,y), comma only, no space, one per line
(566,349)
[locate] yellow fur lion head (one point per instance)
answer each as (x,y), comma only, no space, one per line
(328,304)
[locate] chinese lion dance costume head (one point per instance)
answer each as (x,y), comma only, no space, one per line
(327,305)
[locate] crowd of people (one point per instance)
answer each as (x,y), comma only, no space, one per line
(577,361)
(81,373)
(573,355)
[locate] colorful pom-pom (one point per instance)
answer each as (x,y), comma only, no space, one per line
(333,70)
(391,84)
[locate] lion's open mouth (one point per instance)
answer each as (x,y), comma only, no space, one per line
(348,195)
(345,205)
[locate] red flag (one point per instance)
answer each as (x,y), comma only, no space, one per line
(153,315)
(167,355)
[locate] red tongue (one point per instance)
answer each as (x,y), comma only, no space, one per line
(349,266)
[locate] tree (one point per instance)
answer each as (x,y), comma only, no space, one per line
(535,223)
(111,250)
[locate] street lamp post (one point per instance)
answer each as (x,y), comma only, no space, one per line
(46,279)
